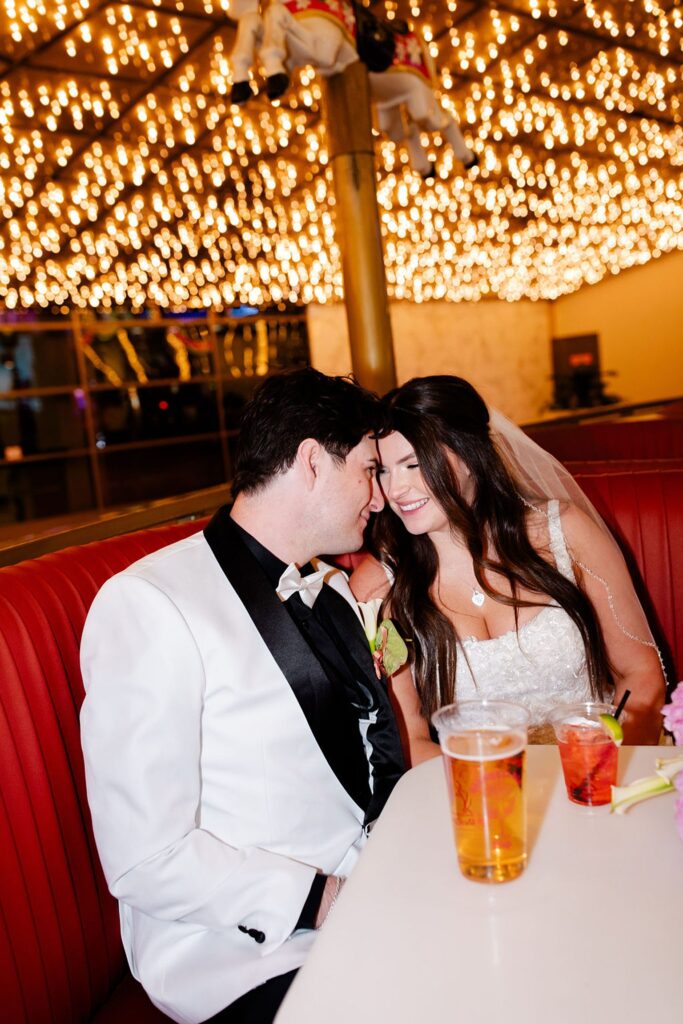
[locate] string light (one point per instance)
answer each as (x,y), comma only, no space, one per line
(127,178)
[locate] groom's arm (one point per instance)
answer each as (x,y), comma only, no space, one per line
(141,731)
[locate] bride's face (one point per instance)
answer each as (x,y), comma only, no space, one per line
(405,489)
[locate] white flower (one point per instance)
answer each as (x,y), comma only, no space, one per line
(624,797)
(370,611)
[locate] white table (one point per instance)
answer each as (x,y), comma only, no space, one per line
(591,932)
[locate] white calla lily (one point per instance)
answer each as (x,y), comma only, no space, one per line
(624,797)
(668,767)
(370,611)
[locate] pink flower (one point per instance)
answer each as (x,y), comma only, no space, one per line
(673,715)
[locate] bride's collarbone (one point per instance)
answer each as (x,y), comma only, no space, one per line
(485,621)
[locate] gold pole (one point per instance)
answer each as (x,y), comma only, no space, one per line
(352,154)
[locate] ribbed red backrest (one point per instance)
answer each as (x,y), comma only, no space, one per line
(60,951)
(643,505)
(625,439)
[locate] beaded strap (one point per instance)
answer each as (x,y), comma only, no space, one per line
(610,600)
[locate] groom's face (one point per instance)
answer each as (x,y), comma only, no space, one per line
(350,494)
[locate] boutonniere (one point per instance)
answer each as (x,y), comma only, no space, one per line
(387,646)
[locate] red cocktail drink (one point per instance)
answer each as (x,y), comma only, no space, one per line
(588,753)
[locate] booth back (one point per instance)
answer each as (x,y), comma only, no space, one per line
(61,957)
(642,502)
(617,440)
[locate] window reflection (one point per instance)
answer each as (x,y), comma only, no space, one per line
(248,349)
(33,490)
(159,472)
(147,413)
(117,354)
(36,359)
(49,423)
(141,409)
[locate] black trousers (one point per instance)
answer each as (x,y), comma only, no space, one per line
(258,1006)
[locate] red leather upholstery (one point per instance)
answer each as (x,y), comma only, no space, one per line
(348,562)
(61,959)
(625,439)
(643,505)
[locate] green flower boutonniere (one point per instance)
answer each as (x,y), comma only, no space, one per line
(387,646)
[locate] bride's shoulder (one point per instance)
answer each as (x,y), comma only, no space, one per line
(580,529)
(576,525)
(369,580)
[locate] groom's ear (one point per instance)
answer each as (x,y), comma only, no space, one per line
(308,456)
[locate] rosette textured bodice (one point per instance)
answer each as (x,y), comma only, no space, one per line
(540,665)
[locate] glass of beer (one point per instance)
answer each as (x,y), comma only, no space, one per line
(484,744)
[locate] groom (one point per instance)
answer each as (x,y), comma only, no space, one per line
(237,742)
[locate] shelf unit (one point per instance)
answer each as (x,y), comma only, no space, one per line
(107,413)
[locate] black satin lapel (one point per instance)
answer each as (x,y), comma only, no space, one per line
(330,717)
(349,626)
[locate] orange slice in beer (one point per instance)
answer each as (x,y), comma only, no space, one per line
(613,728)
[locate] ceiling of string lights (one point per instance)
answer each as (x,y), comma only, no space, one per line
(128,180)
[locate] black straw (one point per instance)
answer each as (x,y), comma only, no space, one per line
(620,706)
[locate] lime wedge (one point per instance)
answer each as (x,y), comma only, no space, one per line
(613,727)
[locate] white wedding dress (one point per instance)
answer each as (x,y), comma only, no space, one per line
(540,665)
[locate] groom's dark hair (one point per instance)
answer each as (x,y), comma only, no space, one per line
(289,407)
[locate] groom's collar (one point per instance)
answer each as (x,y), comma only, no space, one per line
(272,566)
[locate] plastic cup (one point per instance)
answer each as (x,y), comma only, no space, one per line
(587,751)
(484,750)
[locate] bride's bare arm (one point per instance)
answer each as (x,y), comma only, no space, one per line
(417,743)
(605,578)
(370,580)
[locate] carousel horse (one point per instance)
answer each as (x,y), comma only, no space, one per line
(323,33)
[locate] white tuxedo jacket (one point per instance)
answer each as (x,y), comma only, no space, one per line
(212,802)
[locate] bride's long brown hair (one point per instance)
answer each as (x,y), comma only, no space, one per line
(437,415)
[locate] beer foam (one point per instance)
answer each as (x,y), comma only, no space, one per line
(487,744)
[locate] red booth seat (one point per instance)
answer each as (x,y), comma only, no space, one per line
(61,959)
(622,439)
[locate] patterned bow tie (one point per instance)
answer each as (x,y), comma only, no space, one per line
(308,587)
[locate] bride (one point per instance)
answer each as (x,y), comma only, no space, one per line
(495,565)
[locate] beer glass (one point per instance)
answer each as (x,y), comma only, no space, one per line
(483,743)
